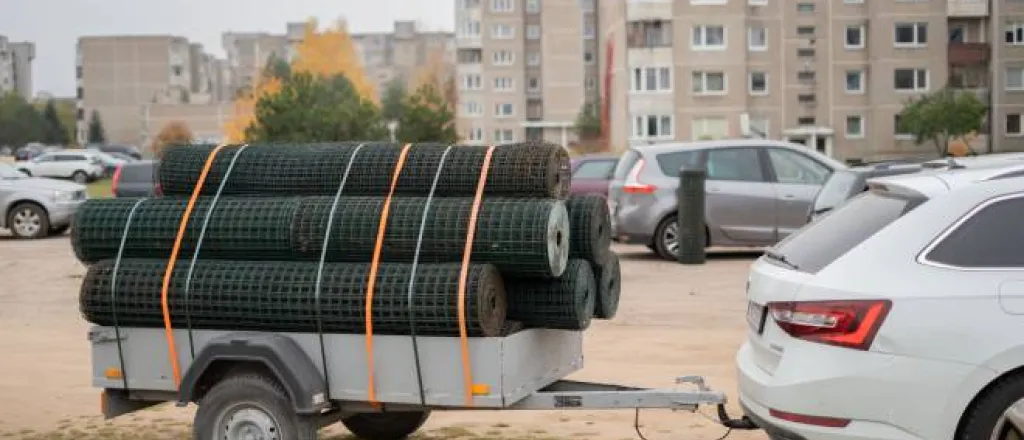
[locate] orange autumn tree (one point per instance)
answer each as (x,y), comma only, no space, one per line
(331,52)
(438,73)
(245,104)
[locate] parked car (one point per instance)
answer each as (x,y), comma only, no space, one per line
(109,161)
(136,179)
(28,152)
(80,166)
(844,184)
(896,316)
(758,191)
(33,207)
(112,148)
(591,173)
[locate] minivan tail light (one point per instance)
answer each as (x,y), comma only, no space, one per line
(850,324)
(633,185)
(114,180)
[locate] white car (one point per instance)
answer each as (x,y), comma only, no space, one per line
(900,315)
(80,166)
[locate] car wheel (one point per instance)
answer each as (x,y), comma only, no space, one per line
(59,230)
(250,406)
(27,172)
(666,238)
(80,177)
(28,220)
(998,414)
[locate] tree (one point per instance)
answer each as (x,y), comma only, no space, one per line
(277,67)
(330,53)
(20,122)
(588,121)
(245,104)
(56,134)
(438,73)
(943,116)
(172,133)
(96,134)
(427,118)
(393,102)
(314,108)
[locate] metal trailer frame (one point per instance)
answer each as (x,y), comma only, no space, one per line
(522,371)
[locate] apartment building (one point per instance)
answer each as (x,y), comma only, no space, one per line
(16,66)
(401,53)
(121,76)
(525,68)
(248,52)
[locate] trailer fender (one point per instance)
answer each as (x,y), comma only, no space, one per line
(280,355)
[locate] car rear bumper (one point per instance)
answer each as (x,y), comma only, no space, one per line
(885,396)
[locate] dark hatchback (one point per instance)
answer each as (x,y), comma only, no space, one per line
(136,179)
(846,183)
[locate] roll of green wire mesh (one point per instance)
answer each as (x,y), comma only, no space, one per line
(565,303)
(280,296)
(609,287)
(531,169)
(522,237)
(590,225)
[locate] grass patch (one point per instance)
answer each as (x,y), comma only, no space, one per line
(100,189)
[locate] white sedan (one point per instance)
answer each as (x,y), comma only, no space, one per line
(900,315)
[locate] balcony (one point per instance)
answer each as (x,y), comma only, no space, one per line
(969,54)
(967,8)
(649,34)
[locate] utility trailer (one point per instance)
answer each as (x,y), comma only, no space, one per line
(271,385)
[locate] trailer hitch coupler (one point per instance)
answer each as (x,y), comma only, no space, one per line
(742,423)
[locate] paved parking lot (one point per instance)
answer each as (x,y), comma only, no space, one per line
(673,320)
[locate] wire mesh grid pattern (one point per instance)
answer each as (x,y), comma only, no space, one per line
(516,170)
(590,236)
(609,287)
(566,303)
(513,234)
(280,296)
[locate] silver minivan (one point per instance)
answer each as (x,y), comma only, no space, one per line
(758,191)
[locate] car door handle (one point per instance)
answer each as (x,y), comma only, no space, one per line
(788,196)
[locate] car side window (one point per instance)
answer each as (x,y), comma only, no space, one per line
(671,163)
(793,167)
(736,164)
(991,238)
(44,158)
(595,169)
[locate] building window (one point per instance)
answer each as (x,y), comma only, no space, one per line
(855,81)
(533,84)
(806,76)
(503,5)
(708,83)
(468,28)
(757,2)
(897,129)
(707,128)
(652,127)
(533,32)
(503,32)
(806,121)
(805,52)
(649,33)
(854,37)
(1014,78)
(651,79)
(1015,33)
(472,82)
(503,58)
(758,83)
(910,80)
(589,33)
(757,39)
(587,5)
(911,34)
(176,70)
(533,58)
(504,84)
(708,37)
(591,83)
(79,93)
(504,135)
(805,31)
(588,57)
(533,6)
(504,110)
(475,134)
(1013,125)
(805,8)
(854,127)
(469,56)
(472,108)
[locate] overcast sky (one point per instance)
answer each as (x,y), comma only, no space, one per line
(55,25)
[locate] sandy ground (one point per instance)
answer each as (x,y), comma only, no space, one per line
(673,320)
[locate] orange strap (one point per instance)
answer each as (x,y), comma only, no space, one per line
(374,265)
(172,348)
(467,372)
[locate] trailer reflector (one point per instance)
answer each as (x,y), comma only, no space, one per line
(113,373)
(481,389)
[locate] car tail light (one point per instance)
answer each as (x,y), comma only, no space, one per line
(828,422)
(850,324)
(633,185)
(115,179)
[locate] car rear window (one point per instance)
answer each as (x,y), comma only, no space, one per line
(626,162)
(670,163)
(137,172)
(820,243)
(835,190)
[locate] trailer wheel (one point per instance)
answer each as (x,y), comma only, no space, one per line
(385,426)
(250,406)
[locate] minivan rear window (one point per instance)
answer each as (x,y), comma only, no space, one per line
(138,172)
(626,162)
(820,243)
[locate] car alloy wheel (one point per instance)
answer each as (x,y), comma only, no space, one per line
(26,222)
(1010,425)
(670,238)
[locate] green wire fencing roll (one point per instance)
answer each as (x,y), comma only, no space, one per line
(530,169)
(279,296)
(609,287)
(590,237)
(522,237)
(565,303)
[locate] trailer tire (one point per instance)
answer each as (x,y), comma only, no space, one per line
(250,403)
(386,425)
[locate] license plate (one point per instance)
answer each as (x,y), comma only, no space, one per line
(755,317)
